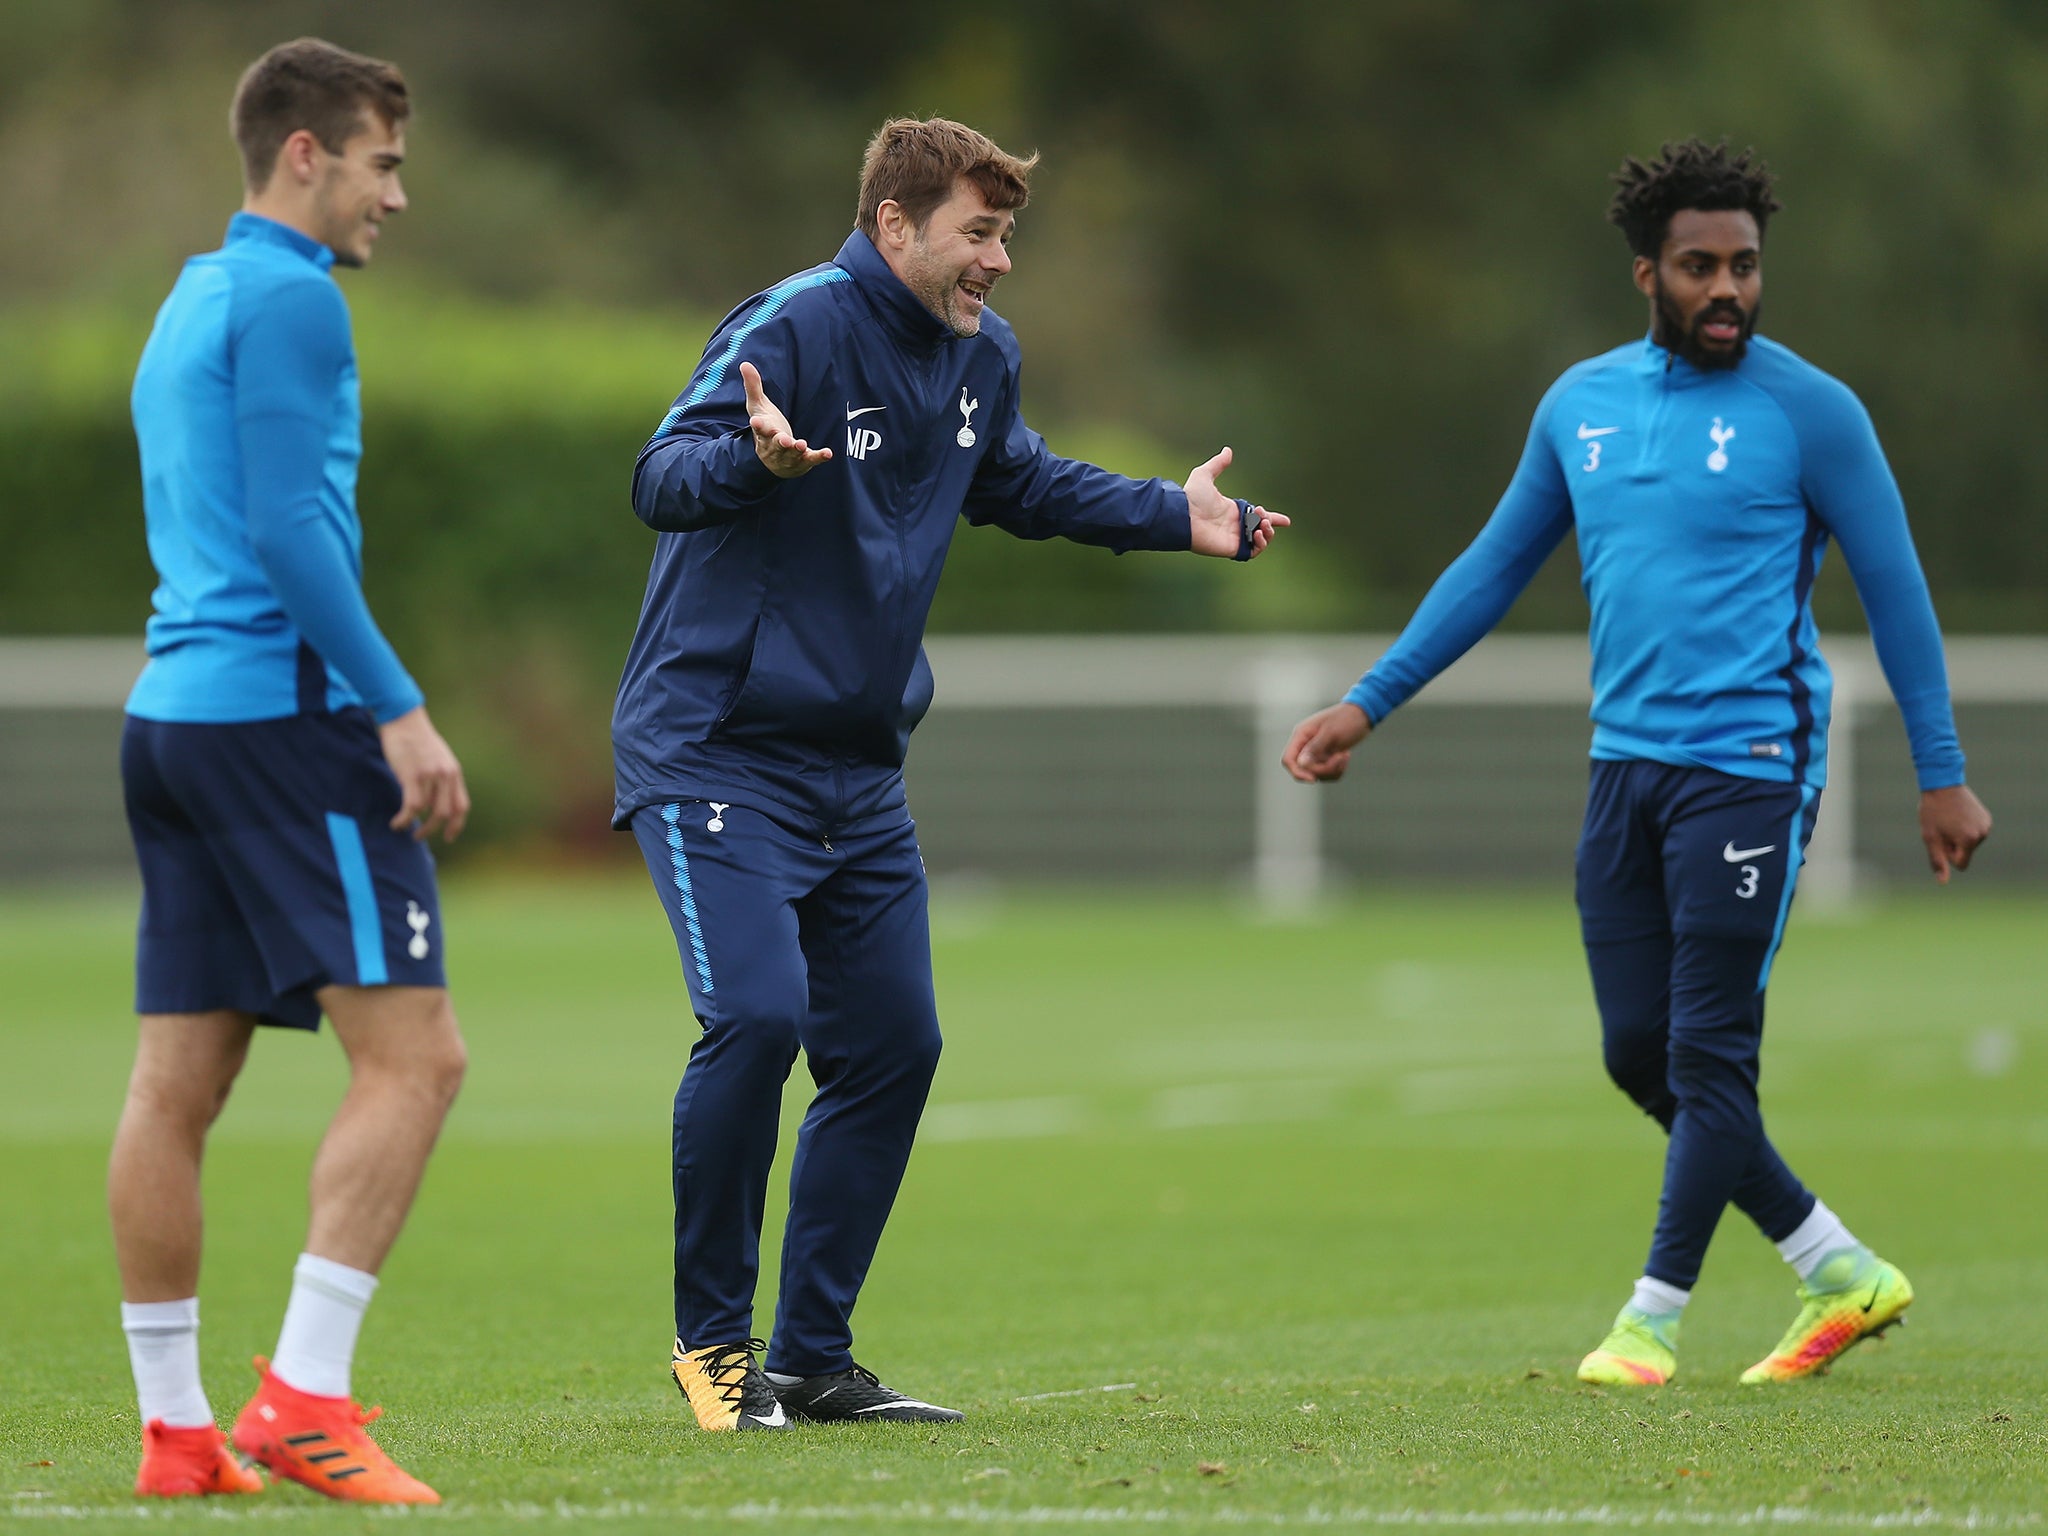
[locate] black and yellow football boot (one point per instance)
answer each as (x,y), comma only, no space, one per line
(725,1388)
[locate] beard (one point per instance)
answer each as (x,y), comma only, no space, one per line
(1672,333)
(937,287)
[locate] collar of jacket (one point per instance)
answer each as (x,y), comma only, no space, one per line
(254,226)
(901,310)
(1677,372)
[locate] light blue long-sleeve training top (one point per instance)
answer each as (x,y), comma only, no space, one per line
(1703,502)
(249,419)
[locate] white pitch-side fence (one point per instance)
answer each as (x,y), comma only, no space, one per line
(1249,689)
(1277,680)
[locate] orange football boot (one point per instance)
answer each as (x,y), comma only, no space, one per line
(322,1443)
(179,1463)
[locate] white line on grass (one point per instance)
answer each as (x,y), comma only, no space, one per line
(775,1513)
(1003,1119)
(1115,1386)
(1195,1105)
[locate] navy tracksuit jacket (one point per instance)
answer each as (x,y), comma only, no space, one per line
(782,632)
(772,686)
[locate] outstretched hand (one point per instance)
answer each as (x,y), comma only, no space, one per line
(1215,526)
(1320,749)
(785,454)
(1953,822)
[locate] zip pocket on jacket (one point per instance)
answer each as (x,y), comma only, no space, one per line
(739,682)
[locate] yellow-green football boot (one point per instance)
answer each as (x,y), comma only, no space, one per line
(1853,1296)
(1640,1351)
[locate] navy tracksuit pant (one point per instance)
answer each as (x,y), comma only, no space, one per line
(791,941)
(1685,878)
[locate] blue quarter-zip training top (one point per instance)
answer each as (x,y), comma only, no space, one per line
(1703,501)
(779,660)
(250,425)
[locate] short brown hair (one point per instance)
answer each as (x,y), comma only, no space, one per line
(915,164)
(312,85)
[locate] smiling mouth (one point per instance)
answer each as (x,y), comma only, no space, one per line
(975,293)
(1721,328)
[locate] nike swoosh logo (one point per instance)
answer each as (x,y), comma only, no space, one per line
(851,412)
(1873,1296)
(1586,431)
(901,1402)
(1735,855)
(773,1420)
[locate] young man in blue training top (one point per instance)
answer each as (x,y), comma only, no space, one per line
(1704,471)
(771,689)
(281,776)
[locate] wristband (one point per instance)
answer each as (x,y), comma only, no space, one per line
(1247,526)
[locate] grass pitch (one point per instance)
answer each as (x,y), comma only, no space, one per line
(1212,1226)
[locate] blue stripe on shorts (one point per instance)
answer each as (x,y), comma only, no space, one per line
(361,893)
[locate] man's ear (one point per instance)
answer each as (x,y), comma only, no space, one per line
(1646,277)
(299,157)
(893,224)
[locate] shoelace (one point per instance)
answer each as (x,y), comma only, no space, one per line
(363,1415)
(862,1373)
(727,1366)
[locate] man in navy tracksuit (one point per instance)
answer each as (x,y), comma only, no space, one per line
(772,686)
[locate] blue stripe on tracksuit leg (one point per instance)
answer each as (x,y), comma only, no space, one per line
(1796,836)
(679,868)
(827,949)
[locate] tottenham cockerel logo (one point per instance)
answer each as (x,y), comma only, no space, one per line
(419,921)
(1722,436)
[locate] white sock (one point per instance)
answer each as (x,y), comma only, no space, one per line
(163,1349)
(1821,1234)
(318,1342)
(1656,1297)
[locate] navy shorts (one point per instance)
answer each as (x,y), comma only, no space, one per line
(1669,850)
(270,868)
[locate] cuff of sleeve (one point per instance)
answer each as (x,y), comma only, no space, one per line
(1944,773)
(1368,698)
(751,479)
(388,709)
(1171,529)
(1176,522)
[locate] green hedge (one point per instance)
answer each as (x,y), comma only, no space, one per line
(502,554)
